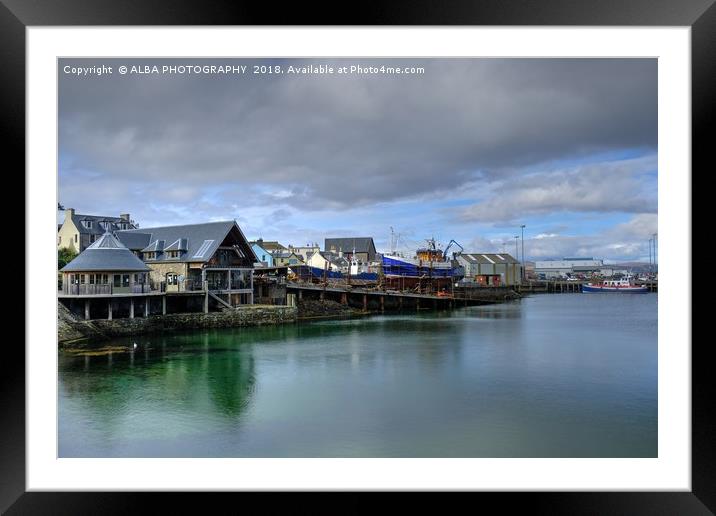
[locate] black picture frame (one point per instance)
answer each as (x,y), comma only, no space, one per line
(16,15)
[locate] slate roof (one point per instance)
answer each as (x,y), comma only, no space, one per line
(336,260)
(361,244)
(199,240)
(96,228)
(180,244)
(270,245)
(107,253)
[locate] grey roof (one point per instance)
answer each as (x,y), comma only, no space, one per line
(180,244)
(200,240)
(106,254)
(97,229)
(269,245)
(361,245)
(284,254)
(135,240)
(488,258)
(154,247)
(336,260)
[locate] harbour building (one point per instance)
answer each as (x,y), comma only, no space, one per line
(490,269)
(547,269)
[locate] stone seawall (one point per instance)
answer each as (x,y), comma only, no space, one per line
(74,332)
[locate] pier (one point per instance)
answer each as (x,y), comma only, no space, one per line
(378,300)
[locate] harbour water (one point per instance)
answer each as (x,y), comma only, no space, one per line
(564,375)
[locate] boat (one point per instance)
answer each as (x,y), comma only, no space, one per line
(429,262)
(622,286)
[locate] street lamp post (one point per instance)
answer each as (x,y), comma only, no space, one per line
(650,255)
(655,263)
(517,251)
(522,227)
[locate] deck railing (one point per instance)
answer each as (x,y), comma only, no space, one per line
(98,289)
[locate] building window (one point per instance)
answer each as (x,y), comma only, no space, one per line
(75,238)
(117,280)
(172,279)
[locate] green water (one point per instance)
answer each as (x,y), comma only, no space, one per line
(569,375)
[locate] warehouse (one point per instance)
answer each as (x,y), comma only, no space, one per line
(490,269)
(547,269)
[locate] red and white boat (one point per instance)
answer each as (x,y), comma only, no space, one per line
(626,286)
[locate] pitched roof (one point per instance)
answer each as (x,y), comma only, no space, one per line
(336,260)
(180,244)
(106,254)
(199,240)
(488,258)
(361,244)
(113,224)
(271,245)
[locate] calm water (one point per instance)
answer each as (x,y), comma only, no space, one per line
(565,375)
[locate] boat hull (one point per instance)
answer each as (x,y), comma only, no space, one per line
(398,267)
(620,290)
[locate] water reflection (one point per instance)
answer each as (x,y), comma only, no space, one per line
(541,377)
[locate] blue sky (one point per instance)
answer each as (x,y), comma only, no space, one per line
(469,151)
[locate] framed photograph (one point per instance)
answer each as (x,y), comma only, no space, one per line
(423,252)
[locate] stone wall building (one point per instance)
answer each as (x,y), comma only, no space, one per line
(194,257)
(78,232)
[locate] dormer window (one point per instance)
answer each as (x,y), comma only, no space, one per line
(87,224)
(150,256)
(173,254)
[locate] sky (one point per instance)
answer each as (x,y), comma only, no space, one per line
(468,150)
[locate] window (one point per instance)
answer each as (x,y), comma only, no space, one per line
(75,238)
(59,239)
(82,279)
(117,280)
(91,279)
(172,279)
(125,280)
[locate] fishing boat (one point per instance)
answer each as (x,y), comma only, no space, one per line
(429,262)
(624,286)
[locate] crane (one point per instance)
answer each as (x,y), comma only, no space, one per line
(445,253)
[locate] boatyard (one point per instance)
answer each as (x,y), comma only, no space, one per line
(129,281)
(453,264)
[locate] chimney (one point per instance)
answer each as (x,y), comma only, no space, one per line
(260,242)
(69,213)
(124,216)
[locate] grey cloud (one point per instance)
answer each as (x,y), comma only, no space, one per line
(344,141)
(627,241)
(614,186)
